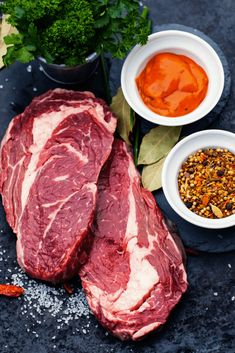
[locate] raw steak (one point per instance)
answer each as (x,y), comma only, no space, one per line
(50,160)
(134,275)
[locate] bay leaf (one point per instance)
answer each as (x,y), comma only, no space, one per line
(217,212)
(123,112)
(151,175)
(6,29)
(157,143)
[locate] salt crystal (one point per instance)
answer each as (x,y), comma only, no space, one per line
(1,86)
(84,330)
(215,294)
(233,298)
(229,266)
(29,68)
(35,89)
(41,299)
(6,79)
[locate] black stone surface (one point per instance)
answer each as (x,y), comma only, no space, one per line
(203,321)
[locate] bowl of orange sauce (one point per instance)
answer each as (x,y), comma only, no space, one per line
(175,79)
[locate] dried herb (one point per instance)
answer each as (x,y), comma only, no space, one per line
(206,183)
(126,119)
(217,212)
(157,143)
(11,291)
(151,175)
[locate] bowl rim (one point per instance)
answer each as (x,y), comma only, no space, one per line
(142,109)
(197,220)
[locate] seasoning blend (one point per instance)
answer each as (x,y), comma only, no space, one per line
(206,183)
(172,85)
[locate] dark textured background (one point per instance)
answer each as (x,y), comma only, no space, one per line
(203,322)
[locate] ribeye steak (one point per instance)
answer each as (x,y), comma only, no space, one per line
(135,274)
(50,160)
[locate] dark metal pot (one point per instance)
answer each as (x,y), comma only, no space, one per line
(70,75)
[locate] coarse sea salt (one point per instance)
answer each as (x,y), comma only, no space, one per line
(41,299)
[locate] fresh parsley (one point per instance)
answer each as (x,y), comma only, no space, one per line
(66,32)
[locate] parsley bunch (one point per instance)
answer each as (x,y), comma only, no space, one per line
(66,32)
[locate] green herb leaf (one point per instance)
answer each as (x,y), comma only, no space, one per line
(23,55)
(122,110)
(102,21)
(13,39)
(157,143)
(19,12)
(5,30)
(151,175)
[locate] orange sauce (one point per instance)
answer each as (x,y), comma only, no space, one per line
(172,85)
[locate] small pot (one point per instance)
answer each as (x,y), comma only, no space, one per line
(70,75)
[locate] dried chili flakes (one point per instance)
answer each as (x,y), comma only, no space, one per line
(68,288)
(11,291)
(206,183)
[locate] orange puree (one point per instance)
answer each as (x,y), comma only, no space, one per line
(172,85)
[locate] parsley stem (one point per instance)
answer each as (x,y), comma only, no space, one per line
(132,118)
(105,78)
(145,12)
(144,15)
(136,141)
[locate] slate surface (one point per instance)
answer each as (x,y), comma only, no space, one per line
(204,320)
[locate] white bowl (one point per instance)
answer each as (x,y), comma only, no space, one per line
(178,42)
(173,163)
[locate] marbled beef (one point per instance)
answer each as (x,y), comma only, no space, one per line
(50,160)
(135,274)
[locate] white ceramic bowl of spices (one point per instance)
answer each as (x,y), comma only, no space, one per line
(175,79)
(198,179)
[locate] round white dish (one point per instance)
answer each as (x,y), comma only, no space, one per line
(173,163)
(178,42)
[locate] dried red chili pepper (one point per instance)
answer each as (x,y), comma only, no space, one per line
(10,290)
(68,288)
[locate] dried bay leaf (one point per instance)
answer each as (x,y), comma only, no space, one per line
(151,175)
(122,110)
(217,212)
(157,143)
(6,29)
